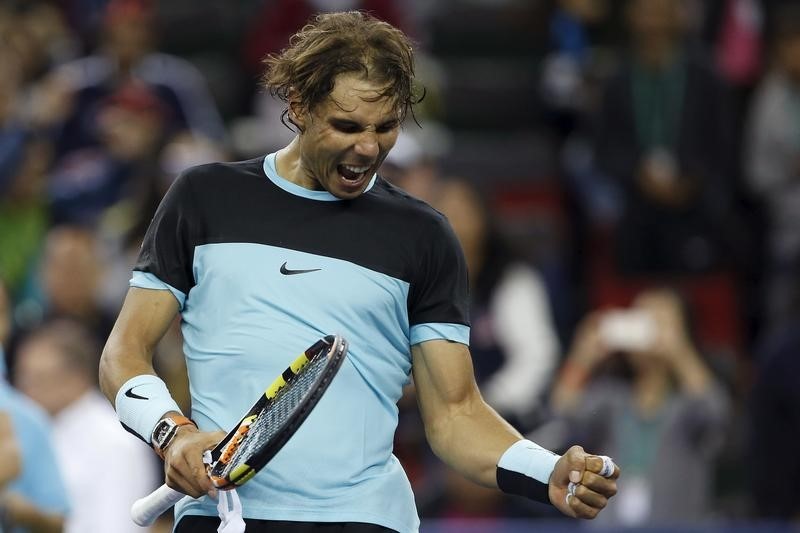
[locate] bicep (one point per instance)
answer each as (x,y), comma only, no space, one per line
(443,377)
(454,412)
(145,316)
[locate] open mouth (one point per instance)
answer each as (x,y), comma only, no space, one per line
(352,174)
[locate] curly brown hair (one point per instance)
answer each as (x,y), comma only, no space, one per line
(337,43)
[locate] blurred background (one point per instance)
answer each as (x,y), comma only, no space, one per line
(623,175)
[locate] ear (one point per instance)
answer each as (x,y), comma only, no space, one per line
(297,113)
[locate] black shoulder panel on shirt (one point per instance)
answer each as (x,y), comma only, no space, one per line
(385,229)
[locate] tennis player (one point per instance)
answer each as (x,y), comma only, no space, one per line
(263,257)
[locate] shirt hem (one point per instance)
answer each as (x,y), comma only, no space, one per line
(305,515)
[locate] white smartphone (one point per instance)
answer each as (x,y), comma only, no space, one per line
(628,330)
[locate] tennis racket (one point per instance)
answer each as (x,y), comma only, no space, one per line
(266,427)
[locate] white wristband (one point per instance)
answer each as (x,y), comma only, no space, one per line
(141,402)
(528,458)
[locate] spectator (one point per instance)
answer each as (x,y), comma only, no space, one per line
(513,339)
(68,282)
(735,28)
(35,501)
(773,161)
(36,34)
(127,52)
(663,420)
(24,159)
(576,58)
(56,366)
(130,125)
(664,137)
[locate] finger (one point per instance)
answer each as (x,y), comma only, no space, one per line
(602,465)
(199,476)
(605,486)
(590,497)
(581,509)
(189,472)
(175,480)
(571,488)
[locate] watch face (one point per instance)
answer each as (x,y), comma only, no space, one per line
(162,430)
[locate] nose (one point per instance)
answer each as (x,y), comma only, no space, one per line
(367,144)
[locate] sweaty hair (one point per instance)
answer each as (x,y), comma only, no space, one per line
(338,43)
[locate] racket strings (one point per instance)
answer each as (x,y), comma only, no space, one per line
(272,418)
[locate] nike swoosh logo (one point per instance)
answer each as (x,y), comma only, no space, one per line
(130,394)
(288,272)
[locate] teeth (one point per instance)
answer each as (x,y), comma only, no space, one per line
(357,170)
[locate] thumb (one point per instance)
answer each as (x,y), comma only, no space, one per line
(571,466)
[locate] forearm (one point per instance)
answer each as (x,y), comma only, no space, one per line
(145,317)
(692,374)
(569,387)
(470,438)
(119,363)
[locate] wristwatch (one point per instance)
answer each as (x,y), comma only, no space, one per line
(165,431)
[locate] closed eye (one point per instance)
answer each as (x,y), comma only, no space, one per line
(387,126)
(346,126)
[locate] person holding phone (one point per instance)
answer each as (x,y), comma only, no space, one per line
(662,416)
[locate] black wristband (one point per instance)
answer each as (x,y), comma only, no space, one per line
(515,483)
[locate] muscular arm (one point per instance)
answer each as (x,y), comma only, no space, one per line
(461,428)
(145,316)
(471,437)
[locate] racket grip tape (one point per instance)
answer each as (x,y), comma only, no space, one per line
(144,511)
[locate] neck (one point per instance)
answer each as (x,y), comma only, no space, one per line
(650,390)
(71,396)
(289,165)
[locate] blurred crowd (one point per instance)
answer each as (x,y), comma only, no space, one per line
(635,284)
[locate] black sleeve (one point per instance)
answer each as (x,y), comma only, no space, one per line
(168,248)
(439,290)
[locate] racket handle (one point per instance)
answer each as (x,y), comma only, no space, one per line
(144,511)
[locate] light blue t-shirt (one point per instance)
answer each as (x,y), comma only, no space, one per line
(40,481)
(262,269)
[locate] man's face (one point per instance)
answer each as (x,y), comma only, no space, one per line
(41,374)
(346,138)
